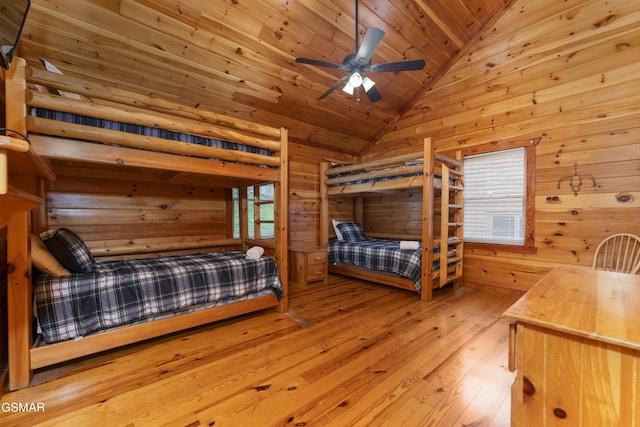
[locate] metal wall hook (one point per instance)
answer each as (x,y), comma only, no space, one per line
(575,180)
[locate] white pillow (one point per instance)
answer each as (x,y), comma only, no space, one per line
(335,229)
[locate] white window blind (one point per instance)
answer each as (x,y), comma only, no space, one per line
(495,197)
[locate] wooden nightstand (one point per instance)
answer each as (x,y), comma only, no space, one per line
(308,265)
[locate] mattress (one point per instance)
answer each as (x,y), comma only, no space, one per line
(383,255)
(122,292)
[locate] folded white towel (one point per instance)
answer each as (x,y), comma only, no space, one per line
(409,244)
(255,252)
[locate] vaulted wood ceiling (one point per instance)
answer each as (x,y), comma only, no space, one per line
(237,57)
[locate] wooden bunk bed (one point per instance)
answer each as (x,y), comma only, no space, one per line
(424,169)
(55,141)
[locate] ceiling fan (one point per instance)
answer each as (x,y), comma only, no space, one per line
(356,64)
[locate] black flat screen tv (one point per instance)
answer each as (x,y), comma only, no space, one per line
(13,13)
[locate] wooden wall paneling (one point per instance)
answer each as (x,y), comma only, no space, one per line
(513,273)
(341,209)
(103,211)
(532,106)
(304,195)
(399,212)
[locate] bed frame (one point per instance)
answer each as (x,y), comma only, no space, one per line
(436,173)
(65,141)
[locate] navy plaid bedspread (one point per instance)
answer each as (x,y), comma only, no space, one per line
(384,255)
(122,292)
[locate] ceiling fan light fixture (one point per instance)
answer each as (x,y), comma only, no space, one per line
(356,79)
(367,84)
(359,62)
(348,88)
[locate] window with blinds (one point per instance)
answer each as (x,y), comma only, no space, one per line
(495,197)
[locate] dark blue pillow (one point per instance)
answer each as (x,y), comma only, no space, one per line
(351,231)
(69,249)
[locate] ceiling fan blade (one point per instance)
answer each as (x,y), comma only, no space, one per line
(373,94)
(320,63)
(332,88)
(372,39)
(413,65)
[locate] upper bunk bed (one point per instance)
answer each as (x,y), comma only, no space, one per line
(216,150)
(434,261)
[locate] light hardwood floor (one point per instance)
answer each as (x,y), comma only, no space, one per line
(347,353)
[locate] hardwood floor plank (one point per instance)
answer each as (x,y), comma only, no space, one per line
(347,353)
(409,373)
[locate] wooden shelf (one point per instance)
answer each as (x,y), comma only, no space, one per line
(22,159)
(16,201)
(18,160)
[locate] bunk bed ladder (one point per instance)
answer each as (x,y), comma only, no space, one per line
(451,221)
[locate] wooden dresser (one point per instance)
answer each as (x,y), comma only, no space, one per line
(308,265)
(575,345)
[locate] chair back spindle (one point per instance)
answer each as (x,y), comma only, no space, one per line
(619,252)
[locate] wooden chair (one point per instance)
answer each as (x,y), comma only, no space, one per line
(618,252)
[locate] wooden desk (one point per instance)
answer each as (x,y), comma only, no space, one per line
(575,345)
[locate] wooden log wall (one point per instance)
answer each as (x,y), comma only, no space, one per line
(399,213)
(568,72)
(109,211)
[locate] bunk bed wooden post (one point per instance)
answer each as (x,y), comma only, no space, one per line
(19,301)
(243,216)
(358,210)
(426,293)
(280,218)
(444,223)
(324,206)
(18,255)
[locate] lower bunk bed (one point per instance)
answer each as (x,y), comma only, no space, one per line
(396,263)
(422,263)
(378,260)
(104,304)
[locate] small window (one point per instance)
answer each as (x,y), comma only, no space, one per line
(263,205)
(499,189)
(260,211)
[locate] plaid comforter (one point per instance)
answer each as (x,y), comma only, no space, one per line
(376,254)
(122,292)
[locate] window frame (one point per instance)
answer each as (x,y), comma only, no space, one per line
(258,203)
(530,189)
(244,212)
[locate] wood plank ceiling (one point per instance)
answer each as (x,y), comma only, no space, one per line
(237,57)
